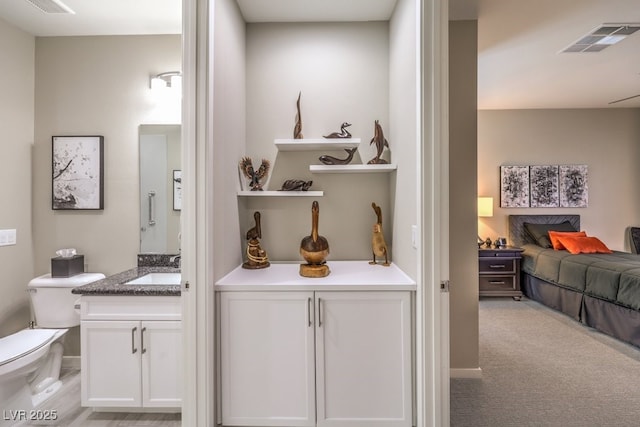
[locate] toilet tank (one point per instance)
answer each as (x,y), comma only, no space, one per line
(52,301)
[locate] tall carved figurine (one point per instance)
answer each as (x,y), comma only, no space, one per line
(256,256)
(314,249)
(381,142)
(297,130)
(378,245)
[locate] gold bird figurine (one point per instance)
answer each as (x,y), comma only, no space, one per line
(378,245)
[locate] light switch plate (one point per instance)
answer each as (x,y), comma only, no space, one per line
(414,236)
(8,237)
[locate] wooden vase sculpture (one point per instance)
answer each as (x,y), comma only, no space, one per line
(314,249)
(256,256)
(378,245)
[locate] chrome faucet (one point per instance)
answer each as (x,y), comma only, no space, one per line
(175,258)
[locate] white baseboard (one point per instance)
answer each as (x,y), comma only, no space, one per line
(466,373)
(71,362)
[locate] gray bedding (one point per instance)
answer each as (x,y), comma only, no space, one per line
(600,290)
(612,277)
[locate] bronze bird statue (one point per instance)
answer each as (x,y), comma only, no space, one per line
(314,248)
(246,166)
(381,142)
(330,160)
(297,130)
(378,245)
(344,133)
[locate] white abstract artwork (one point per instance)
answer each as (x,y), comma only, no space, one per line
(574,190)
(544,186)
(514,186)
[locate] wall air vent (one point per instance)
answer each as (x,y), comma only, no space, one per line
(603,37)
(51,6)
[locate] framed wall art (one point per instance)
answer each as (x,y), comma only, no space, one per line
(177,190)
(544,186)
(77,164)
(574,191)
(514,186)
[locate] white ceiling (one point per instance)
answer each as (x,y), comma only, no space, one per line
(518,40)
(519,65)
(97,17)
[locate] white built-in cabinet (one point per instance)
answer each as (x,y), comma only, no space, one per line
(316,358)
(130,352)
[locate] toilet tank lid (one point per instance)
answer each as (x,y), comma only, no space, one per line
(46,281)
(24,342)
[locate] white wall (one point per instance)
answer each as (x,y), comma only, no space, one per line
(607,140)
(17,50)
(95,86)
(403,133)
(229,134)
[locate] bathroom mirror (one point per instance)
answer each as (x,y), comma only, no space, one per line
(160,188)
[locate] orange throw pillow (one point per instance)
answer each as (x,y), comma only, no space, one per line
(584,245)
(555,242)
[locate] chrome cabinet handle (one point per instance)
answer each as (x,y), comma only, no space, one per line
(320,312)
(144,350)
(309,311)
(133,340)
(497,282)
(497,266)
(151,196)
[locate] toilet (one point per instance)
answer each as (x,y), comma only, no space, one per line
(30,359)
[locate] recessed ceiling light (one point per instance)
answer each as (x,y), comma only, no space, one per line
(602,37)
(51,6)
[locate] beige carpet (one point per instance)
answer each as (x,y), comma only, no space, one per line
(541,368)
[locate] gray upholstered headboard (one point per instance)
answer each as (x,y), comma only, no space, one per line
(518,235)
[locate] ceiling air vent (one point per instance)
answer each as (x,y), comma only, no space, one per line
(51,6)
(603,37)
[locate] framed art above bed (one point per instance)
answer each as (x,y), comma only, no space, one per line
(544,186)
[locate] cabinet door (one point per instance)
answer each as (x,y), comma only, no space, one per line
(110,363)
(267,358)
(363,359)
(160,344)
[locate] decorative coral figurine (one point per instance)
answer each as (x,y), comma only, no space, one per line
(378,245)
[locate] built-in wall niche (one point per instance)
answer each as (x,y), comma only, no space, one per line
(353,62)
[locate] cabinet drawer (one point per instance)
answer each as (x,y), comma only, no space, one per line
(497,265)
(497,283)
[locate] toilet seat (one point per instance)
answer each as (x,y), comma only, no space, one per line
(26,341)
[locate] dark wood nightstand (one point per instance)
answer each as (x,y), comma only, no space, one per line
(499,272)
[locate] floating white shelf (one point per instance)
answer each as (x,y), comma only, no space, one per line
(353,168)
(281,193)
(316,144)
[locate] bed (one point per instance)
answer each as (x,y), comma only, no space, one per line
(601,290)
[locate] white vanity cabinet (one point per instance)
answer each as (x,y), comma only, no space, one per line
(326,358)
(130,351)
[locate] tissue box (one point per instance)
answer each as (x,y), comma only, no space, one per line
(67,267)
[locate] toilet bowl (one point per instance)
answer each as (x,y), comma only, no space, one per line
(34,354)
(30,359)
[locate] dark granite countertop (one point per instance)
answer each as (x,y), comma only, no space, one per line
(115,284)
